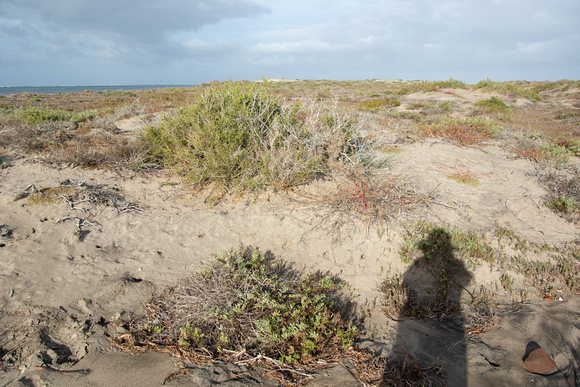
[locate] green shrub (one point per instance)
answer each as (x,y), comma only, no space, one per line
(493,105)
(375,104)
(240,136)
(445,107)
(249,303)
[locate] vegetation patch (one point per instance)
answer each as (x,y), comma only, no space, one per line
(563,195)
(376,104)
(240,136)
(459,131)
(538,149)
(465,177)
(34,116)
(429,86)
(408,371)
(439,251)
(509,88)
(567,113)
(243,306)
(51,195)
(493,105)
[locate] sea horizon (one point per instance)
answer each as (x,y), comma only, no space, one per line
(7,90)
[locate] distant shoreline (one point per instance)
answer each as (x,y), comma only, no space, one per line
(7,90)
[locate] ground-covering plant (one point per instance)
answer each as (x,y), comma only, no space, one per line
(240,136)
(539,149)
(561,85)
(33,116)
(248,304)
(461,131)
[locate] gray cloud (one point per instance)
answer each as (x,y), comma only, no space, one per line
(112,28)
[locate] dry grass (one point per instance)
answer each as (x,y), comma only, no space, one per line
(56,142)
(382,372)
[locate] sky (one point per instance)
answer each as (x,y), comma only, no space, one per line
(123,42)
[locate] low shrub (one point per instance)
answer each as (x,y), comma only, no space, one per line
(246,303)
(467,246)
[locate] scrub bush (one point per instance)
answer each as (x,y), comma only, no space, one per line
(240,136)
(250,304)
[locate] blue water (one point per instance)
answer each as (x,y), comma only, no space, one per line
(7,90)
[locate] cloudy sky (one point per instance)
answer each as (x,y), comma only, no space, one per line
(95,42)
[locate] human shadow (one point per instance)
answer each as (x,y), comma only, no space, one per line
(430,344)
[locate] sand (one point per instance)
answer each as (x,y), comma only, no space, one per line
(61,295)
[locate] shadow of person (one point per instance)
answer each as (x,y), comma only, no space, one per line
(431,331)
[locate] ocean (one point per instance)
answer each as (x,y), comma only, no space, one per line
(7,90)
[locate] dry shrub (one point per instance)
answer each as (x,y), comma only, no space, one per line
(563,194)
(79,196)
(56,142)
(400,301)
(530,150)
(96,151)
(246,306)
(356,193)
(481,321)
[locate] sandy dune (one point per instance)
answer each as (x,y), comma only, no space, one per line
(61,292)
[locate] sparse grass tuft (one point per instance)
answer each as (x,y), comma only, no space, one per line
(465,177)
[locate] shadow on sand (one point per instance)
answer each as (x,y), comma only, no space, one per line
(431,334)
